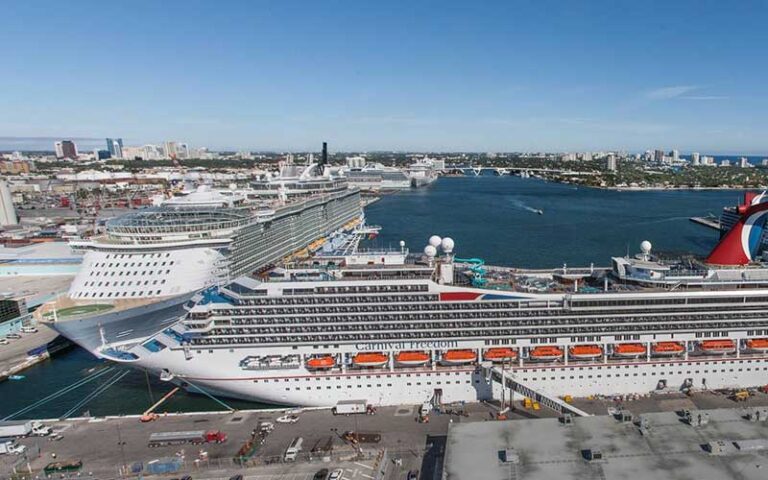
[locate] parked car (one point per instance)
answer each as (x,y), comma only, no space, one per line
(28,330)
(287,419)
(413,475)
(4,341)
(321,474)
(14,336)
(236,477)
(336,474)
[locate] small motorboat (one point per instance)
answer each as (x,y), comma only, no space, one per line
(369,360)
(629,350)
(16,377)
(667,349)
(322,362)
(546,354)
(459,357)
(718,347)
(499,354)
(412,359)
(758,344)
(585,352)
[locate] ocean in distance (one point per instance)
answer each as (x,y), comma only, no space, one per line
(489,217)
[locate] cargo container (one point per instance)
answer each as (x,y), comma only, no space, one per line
(351,407)
(15,428)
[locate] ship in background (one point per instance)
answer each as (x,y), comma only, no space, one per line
(397,328)
(148,263)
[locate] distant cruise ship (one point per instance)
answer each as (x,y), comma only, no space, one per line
(395,328)
(153,259)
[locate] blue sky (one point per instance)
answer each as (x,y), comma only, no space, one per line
(413,75)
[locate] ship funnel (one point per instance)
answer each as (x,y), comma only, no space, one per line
(741,244)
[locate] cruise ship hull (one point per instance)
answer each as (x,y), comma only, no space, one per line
(219,372)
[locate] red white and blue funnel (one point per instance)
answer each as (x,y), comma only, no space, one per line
(741,244)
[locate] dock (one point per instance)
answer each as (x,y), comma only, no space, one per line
(710,222)
(403,443)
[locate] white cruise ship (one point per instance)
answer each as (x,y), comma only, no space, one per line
(150,261)
(394,328)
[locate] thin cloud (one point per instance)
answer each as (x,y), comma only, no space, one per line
(666,93)
(705,98)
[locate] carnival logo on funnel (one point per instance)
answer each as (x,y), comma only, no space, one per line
(740,245)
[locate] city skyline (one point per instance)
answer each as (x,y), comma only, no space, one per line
(428,77)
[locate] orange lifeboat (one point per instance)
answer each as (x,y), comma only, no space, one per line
(758,344)
(459,357)
(667,349)
(374,359)
(412,359)
(585,352)
(499,354)
(322,362)
(629,350)
(718,347)
(546,354)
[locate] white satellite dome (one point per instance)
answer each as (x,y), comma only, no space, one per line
(645,247)
(447,245)
(430,250)
(434,240)
(402,243)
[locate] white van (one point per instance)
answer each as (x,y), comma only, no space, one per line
(293,449)
(28,330)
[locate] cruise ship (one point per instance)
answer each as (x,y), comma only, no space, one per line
(396,328)
(149,262)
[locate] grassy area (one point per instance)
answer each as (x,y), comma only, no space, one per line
(82,310)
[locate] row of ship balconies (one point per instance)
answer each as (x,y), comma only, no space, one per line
(281,335)
(551,316)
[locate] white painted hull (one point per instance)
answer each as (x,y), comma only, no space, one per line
(219,373)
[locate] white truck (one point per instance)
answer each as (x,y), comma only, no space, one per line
(11,448)
(350,407)
(15,428)
(293,449)
(41,430)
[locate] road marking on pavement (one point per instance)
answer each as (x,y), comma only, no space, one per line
(364,466)
(366,476)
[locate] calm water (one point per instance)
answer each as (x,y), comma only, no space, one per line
(488,217)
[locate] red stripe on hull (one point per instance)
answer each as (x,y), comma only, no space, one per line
(457,296)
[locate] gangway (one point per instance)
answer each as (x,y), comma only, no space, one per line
(496,374)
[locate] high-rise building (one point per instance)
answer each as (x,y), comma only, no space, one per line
(695,159)
(612,163)
(171,150)
(744,162)
(115,147)
(658,156)
(7,212)
(182,151)
(66,149)
(675,155)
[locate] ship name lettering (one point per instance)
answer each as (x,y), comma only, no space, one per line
(408,345)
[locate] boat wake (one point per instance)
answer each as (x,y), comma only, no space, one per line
(521,205)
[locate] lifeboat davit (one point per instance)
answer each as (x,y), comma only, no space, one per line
(374,359)
(629,350)
(718,347)
(321,362)
(546,354)
(758,344)
(585,352)
(667,349)
(499,354)
(412,359)
(459,357)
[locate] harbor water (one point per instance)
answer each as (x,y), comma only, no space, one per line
(504,220)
